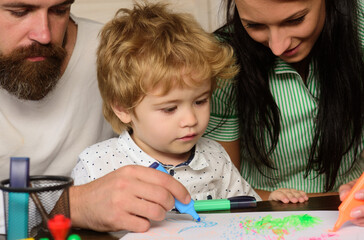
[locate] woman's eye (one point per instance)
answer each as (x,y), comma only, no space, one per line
(252,25)
(297,20)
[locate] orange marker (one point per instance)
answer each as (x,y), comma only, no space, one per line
(349,203)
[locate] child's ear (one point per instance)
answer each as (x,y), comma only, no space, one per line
(122,113)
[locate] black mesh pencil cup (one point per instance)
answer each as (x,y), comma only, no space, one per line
(30,208)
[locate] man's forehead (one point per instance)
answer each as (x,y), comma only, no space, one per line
(34,3)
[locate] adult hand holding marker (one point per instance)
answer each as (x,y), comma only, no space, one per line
(212,204)
(352,207)
(182,208)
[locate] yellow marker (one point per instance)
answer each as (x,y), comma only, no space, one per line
(349,203)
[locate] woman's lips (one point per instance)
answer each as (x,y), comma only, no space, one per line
(291,52)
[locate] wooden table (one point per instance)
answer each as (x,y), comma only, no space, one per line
(314,203)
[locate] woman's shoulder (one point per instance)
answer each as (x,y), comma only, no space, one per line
(361,22)
(223,34)
(361,14)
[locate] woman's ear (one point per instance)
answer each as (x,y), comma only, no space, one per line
(122,113)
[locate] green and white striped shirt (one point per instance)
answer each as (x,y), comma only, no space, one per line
(298,107)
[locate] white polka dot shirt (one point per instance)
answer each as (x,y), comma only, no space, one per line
(208,174)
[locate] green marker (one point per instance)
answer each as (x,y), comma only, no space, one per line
(237,202)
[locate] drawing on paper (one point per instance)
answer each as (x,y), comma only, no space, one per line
(313,225)
(279,227)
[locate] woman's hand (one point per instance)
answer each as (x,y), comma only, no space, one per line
(358,212)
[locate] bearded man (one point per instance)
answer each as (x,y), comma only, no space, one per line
(50,106)
(51,110)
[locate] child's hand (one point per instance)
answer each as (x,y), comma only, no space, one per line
(287,195)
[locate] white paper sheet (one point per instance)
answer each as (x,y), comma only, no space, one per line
(298,225)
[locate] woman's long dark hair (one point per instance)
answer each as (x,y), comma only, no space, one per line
(338,59)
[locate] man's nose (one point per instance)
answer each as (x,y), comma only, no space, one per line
(40,30)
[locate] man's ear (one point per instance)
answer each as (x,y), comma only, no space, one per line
(122,113)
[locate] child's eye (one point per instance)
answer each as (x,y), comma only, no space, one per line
(201,102)
(169,109)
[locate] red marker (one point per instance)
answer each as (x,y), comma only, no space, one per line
(349,203)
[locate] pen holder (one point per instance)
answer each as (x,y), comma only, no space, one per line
(27,210)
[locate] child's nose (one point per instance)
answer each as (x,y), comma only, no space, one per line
(189,119)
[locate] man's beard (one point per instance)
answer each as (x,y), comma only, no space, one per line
(31,80)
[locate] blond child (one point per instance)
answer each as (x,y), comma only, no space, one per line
(156,72)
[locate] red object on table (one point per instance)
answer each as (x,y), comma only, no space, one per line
(59,227)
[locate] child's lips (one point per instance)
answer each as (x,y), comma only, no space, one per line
(188,137)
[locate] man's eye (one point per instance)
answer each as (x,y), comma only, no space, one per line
(19,13)
(60,11)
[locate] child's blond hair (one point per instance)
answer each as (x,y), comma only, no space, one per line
(150,46)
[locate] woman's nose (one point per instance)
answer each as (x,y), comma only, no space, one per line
(279,42)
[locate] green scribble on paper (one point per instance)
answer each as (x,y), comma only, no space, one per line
(279,226)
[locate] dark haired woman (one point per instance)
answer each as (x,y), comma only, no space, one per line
(293,117)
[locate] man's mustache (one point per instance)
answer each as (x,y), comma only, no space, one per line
(37,50)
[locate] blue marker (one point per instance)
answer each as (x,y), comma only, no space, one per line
(182,208)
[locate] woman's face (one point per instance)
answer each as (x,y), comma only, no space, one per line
(289,28)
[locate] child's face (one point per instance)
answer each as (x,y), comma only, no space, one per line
(167,127)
